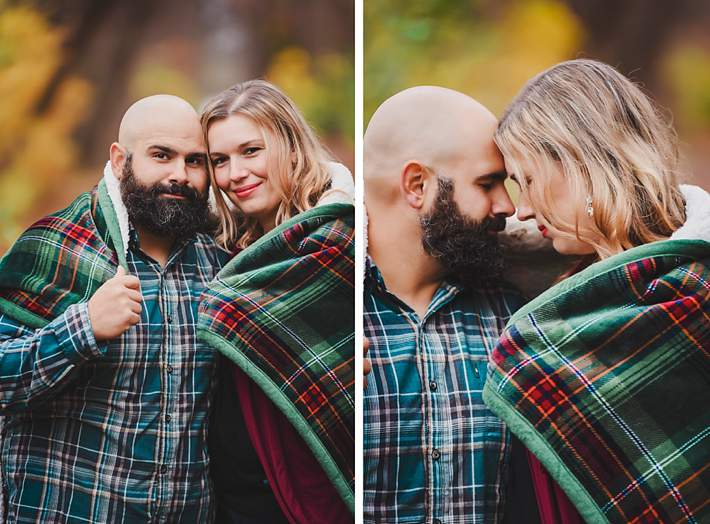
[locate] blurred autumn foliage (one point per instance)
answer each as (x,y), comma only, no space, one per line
(489,49)
(70,68)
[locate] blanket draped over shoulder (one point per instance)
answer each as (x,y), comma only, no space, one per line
(283,311)
(61,260)
(606,378)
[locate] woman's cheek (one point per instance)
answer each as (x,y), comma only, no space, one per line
(222,177)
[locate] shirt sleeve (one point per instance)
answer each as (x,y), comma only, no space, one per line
(33,363)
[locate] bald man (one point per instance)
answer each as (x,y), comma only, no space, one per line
(434,306)
(103,385)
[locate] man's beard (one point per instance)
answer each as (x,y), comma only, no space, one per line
(465,247)
(179,218)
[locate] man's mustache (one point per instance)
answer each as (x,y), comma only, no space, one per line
(176,189)
(496,224)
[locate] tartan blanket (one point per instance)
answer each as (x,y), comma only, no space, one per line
(606,379)
(283,311)
(61,260)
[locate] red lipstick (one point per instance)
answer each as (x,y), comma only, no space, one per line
(245,191)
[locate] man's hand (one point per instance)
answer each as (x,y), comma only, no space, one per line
(116,306)
(366,362)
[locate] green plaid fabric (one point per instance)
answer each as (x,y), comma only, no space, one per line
(283,310)
(606,378)
(61,260)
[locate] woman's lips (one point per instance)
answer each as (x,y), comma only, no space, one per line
(245,191)
(543,230)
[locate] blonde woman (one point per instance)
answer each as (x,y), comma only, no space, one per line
(281,435)
(605,377)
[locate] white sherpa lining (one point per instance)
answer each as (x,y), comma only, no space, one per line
(697,215)
(342,187)
(113,188)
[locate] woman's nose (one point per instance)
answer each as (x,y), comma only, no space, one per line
(525,211)
(237,171)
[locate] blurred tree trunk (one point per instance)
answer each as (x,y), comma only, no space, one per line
(631,35)
(314,25)
(102,43)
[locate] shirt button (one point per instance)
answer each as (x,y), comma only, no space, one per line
(437,521)
(167,418)
(435,454)
(169,369)
(170,319)
(163,469)
(433,386)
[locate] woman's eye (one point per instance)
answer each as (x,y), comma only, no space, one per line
(218,161)
(249,151)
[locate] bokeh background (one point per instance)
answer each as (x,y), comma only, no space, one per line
(70,68)
(490,48)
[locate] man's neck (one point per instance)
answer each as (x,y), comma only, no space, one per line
(409,273)
(157,247)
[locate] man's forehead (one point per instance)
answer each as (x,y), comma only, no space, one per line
(479,160)
(182,144)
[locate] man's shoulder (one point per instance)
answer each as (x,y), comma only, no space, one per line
(75,221)
(75,211)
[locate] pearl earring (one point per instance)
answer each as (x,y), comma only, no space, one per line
(590,209)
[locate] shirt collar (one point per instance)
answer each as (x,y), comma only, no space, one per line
(447,291)
(177,249)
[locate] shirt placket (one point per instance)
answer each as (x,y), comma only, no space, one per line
(437,410)
(166,295)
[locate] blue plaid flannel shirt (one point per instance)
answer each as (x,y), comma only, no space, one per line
(433,452)
(113,431)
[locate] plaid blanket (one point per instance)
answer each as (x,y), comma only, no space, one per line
(283,310)
(606,378)
(61,260)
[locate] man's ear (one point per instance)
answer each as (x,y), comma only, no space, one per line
(414,181)
(118,155)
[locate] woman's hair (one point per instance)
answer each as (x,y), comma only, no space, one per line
(611,143)
(296,161)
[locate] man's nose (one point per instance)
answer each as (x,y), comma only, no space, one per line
(179,172)
(503,205)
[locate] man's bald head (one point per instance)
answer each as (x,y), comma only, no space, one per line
(158,115)
(161,144)
(434,186)
(160,160)
(434,126)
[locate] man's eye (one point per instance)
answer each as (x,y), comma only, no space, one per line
(487,187)
(160,155)
(195,161)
